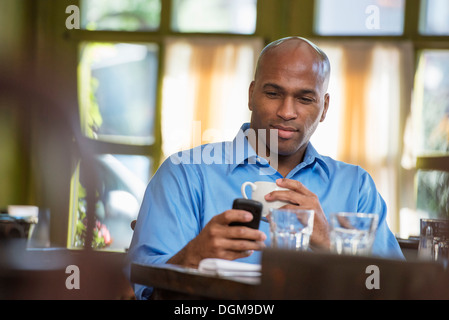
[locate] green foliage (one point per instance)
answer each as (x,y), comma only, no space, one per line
(433,193)
(100,239)
(90,115)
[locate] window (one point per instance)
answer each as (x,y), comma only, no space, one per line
(431,135)
(121,181)
(434,17)
(361,126)
(362,17)
(421,189)
(117,84)
(199,75)
(433,193)
(329,143)
(129,103)
(219,16)
(121,15)
(431,102)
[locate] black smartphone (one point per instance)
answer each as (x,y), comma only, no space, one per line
(255,207)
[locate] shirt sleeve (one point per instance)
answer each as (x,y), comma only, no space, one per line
(168,219)
(370,201)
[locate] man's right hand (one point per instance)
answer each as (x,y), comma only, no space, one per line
(219,240)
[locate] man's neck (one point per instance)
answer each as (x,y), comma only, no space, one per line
(288,163)
(284,163)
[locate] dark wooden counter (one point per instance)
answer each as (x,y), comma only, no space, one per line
(184,283)
(288,275)
(41,274)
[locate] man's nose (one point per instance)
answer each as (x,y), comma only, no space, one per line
(287,110)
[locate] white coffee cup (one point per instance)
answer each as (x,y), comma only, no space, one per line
(259,190)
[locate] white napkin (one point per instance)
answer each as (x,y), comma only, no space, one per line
(228,268)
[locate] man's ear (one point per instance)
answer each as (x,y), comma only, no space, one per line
(250,96)
(326,107)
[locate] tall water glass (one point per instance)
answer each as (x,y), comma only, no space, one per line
(353,233)
(291,228)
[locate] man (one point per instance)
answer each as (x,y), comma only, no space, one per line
(186,212)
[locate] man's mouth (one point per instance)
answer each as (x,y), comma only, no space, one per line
(285,132)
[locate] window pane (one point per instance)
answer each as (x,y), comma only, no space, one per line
(122,181)
(434,18)
(225,16)
(359,17)
(431,106)
(206,85)
(361,126)
(433,193)
(125,15)
(117,88)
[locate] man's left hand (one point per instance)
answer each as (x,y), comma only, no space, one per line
(300,197)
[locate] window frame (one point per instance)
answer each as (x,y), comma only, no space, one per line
(77,36)
(92,147)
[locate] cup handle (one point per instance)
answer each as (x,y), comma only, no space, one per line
(247,183)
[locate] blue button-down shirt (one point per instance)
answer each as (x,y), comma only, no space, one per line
(192,186)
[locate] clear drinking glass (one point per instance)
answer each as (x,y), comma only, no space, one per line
(352,233)
(291,228)
(434,240)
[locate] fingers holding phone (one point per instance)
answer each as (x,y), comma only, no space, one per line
(251,206)
(231,235)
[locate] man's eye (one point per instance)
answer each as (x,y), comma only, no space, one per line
(271,94)
(306,100)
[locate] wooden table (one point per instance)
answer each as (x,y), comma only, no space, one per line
(289,275)
(173,282)
(42,274)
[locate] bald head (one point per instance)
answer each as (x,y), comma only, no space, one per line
(300,46)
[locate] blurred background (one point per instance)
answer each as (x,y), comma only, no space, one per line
(125,83)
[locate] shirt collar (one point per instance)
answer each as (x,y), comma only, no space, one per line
(243,151)
(311,156)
